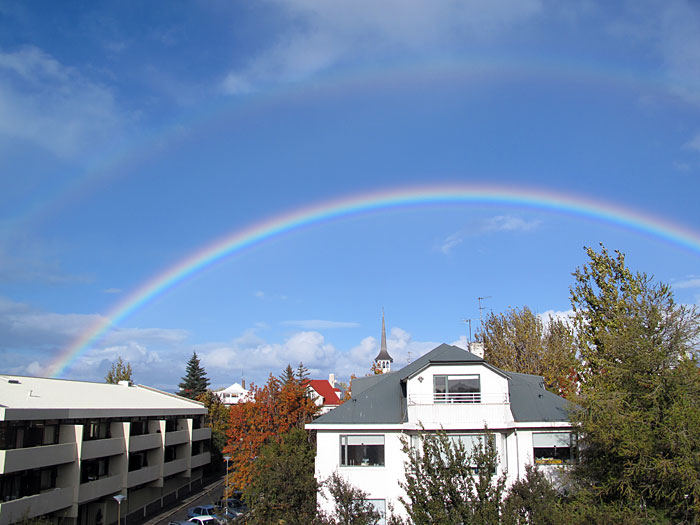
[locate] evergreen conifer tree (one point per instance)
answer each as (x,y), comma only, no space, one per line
(195,381)
(120,371)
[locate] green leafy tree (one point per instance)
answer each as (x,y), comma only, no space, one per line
(283,487)
(446,483)
(638,412)
(195,382)
(120,371)
(520,341)
(533,500)
(350,505)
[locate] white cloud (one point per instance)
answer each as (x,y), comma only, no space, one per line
(561,315)
(324,34)
(52,105)
(318,324)
(509,223)
(693,143)
(692,282)
(450,242)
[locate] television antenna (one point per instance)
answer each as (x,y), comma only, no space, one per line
(482,308)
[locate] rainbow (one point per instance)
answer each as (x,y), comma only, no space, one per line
(238,241)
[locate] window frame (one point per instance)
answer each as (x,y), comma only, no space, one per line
(473,397)
(345,445)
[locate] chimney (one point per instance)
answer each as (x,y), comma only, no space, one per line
(243,384)
(477,349)
(331,380)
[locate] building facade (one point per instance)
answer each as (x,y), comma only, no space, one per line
(67,448)
(449,389)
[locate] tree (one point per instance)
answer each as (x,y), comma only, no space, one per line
(120,371)
(218,421)
(283,486)
(638,413)
(350,505)
(533,500)
(441,485)
(267,413)
(519,341)
(195,382)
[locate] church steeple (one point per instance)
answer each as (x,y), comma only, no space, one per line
(383,359)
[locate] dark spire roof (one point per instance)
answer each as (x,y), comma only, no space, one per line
(383,355)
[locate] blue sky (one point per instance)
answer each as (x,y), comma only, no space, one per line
(133,134)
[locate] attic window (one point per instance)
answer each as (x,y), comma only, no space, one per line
(457,388)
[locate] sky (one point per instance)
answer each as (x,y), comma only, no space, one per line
(258,181)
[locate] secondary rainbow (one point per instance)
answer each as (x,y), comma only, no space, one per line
(363,203)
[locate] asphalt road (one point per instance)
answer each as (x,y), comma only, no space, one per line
(209,495)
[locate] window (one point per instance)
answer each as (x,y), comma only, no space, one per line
(138,427)
(362,451)
(138,460)
(94,469)
(380,506)
(96,429)
(457,389)
(170,453)
(554,448)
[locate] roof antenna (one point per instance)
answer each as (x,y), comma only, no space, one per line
(482,308)
(469,321)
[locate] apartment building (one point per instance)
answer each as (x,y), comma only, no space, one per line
(67,448)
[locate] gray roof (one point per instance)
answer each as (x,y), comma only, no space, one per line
(382,398)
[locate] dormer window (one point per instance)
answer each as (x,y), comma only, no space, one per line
(457,388)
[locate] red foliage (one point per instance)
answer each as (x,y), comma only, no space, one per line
(267,413)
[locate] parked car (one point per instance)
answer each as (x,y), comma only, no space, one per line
(204,520)
(197,520)
(201,510)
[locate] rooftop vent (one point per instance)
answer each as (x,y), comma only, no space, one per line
(13,381)
(126,383)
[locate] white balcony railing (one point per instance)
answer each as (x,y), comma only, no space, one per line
(459,410)
(461,398)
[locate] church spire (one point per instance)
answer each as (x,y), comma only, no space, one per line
(383,359)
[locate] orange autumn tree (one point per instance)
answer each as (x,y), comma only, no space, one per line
(268,412)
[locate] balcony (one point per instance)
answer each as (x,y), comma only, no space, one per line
(36,457)
(459,410)
(32,506)
(173,467)
(200,434)
(145,442)
(200,460)
(144,475)
(177,437)
(100,448)
(99,488)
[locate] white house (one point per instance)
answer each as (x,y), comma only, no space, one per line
(67,448)
(324,393)
(451,389)
(233,394)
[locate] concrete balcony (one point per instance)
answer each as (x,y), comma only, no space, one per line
(145,442)
(35,457)
(173,467)
(144,475)
(101,448)
(200,460)
(475,411)
(201,434)
(177,437)
(32,506)
(99,488)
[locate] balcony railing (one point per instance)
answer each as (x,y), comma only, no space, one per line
(36,457)
(459,409)
(31,506)
(461,398)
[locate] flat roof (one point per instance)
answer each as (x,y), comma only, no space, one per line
(23,397)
